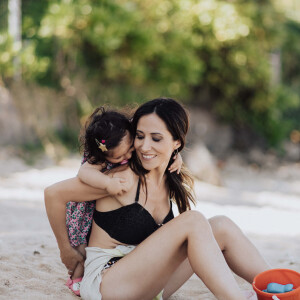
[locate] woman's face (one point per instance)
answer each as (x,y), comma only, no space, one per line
(153,142)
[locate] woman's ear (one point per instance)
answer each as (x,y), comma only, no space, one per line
(177,144)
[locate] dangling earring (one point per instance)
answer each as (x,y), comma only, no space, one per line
(175,152)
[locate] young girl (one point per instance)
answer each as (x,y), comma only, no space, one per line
(107,143)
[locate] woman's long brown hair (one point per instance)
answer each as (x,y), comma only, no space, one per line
(176,119)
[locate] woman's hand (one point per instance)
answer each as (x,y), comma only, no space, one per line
(70,257)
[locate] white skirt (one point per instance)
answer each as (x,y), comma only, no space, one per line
(96,258)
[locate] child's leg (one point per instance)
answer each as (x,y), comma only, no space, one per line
(79,217)
(79,270)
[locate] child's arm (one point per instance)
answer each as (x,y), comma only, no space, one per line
(92,176)
(177,164)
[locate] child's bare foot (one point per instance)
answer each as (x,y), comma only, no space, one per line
(73,283)
(78,272)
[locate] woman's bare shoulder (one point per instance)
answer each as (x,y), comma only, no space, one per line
(126,173)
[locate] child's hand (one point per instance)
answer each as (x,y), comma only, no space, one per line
(176,165)
(116,186)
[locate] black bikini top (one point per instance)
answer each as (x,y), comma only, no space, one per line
(129,224)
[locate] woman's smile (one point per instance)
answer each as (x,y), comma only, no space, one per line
(148,156)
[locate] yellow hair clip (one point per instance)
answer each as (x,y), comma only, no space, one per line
(101,145)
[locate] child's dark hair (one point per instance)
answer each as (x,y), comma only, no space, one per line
(103,125)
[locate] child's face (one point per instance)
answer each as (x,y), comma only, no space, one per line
(122,152)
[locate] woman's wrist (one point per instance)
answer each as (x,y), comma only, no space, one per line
(65,247)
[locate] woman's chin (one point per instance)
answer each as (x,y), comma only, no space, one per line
(151,164)
(147,167)
(151,167)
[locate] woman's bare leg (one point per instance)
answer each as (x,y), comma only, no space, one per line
(178,278)
(144,272)
(240,254)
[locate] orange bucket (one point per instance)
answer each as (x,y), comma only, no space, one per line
(281,276)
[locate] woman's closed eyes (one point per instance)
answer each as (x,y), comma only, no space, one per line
(139,137)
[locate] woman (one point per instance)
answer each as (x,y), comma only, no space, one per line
(156,260)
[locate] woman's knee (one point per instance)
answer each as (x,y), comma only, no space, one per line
(50,193)
(194,220)
(221,223)
(223,227)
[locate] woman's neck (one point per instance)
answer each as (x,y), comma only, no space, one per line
(156,176)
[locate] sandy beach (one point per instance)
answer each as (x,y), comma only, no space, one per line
(264,203)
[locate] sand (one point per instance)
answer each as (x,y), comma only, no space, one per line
(264,203)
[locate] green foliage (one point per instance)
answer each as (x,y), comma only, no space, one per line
(6,55)
(212,52)
(290,73)
(68,137)
(30,151)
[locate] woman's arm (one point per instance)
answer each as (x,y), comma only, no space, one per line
(56,198)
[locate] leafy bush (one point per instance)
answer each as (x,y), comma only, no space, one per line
(211,52)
